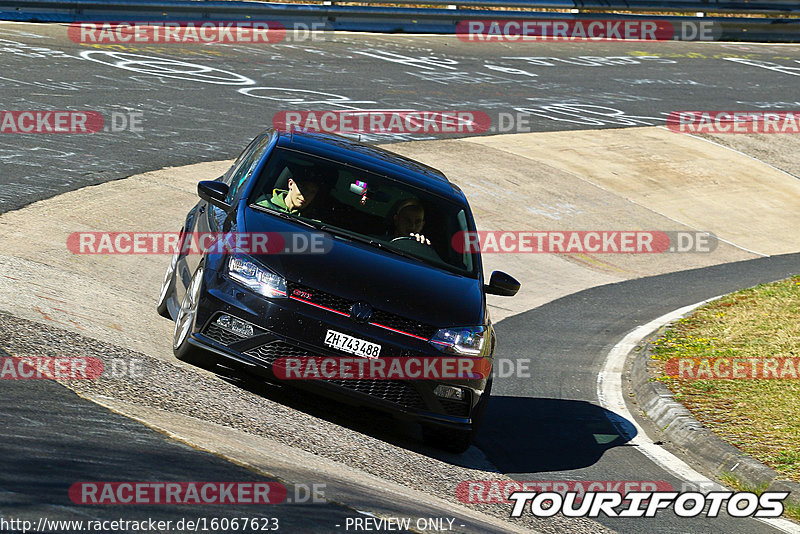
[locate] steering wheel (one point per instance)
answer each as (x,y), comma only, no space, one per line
(410,244)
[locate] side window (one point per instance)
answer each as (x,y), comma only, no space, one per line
(245,167)
(238,163)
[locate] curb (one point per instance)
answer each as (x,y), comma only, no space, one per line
(657,403)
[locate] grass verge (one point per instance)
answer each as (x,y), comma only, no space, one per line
(759,416)
(789,509)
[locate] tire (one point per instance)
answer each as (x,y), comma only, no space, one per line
(458,441)
(447,439)
(480,408)
(184,323)
(168,286)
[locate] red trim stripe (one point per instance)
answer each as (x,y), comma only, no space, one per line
(319,306)
(373,324)
(398,331)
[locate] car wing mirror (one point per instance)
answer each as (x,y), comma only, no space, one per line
(502,284)
(214,193)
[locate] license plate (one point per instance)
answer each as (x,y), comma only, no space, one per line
(351,344)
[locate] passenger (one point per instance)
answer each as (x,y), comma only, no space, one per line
(408,221)
(301,193)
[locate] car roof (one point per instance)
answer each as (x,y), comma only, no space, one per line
(371,158)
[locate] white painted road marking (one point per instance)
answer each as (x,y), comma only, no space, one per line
(609,393)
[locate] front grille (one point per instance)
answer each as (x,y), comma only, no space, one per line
(381,317)
(273,350)
(321,298)
(401,323)
(395,391)
(220,335)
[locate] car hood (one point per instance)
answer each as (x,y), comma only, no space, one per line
(361,272)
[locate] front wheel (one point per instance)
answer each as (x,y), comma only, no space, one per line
(447,439)
(168,287)
(458,441)
(480,408)
(184,322)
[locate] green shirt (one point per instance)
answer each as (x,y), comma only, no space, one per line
(278,201)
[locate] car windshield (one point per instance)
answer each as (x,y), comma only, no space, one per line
(367,207)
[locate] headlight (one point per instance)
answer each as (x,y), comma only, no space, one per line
(256,278)
(463,340)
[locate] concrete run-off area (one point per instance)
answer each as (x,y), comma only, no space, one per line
(622,180)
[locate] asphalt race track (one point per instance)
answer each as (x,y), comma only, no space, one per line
(197,112)
(57,439)
(548,429)
(203,103)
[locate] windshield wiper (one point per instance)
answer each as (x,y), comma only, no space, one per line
(287,216)
(383,246)
(349,235)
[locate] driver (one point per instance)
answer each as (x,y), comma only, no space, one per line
(408,220)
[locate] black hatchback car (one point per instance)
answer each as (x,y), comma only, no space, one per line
(385,280)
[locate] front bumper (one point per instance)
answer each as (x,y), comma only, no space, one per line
(292,328)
